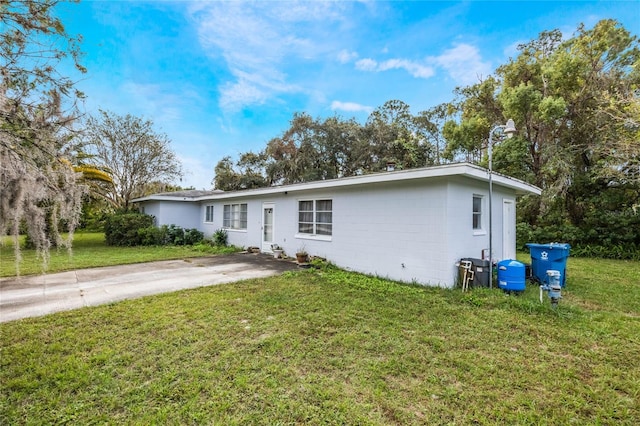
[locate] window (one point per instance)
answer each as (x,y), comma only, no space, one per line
(208,215)
(234,216)
(315,217)
(477,212)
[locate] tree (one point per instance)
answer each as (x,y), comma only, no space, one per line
(319,149)
(226,178)
(291,157)
(339,144)
(477,110)
(37,110)
(133,152)
(250,173)
(430,125)
(315,149)
(575,103)
(574,100)
(394,137)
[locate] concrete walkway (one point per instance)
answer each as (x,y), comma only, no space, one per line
(39,295)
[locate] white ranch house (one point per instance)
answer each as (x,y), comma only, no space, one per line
(409,225)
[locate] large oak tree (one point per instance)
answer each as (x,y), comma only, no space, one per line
(575,102)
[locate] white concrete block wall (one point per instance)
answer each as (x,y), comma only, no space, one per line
(388,230)
(237,237)
(181,213)
(152,208)
(464,240)
(406,231)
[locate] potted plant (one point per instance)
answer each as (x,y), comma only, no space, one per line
(301,255)
(277,251)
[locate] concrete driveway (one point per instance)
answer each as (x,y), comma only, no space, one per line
(39,295)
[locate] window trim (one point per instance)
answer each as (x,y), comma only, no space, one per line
(315,212)
(229,219)
(480,230)
(208,218)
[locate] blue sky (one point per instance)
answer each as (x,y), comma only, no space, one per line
(223,78)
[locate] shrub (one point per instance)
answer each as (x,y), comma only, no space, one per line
(178,236)
(564,233)
(585,241)
(134,229)
(192,236)
(153,236)
(628,251)
(220,237)
(175,235)
(121,229)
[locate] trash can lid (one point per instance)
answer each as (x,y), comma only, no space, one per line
(511,262)
(549,246)
(476,262)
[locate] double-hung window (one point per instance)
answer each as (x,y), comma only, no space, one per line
(208,214)
(315,217)
(234,216)
(477,212)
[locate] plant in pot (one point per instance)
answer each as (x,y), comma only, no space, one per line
(301,255)
(277,251)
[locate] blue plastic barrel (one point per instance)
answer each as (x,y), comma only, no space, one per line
(511,275)
(546,257)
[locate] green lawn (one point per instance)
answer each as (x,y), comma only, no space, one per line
(90,250)
(332,347)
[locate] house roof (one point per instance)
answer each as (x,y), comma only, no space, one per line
(448,170)
(187,195)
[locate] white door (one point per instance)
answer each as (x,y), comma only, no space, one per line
(268,212)
(508,229)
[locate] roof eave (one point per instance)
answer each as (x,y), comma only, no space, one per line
(460,169)
(521,187)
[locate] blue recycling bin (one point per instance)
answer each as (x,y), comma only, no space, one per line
(545,257)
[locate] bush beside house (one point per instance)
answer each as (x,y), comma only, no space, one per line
(137,229)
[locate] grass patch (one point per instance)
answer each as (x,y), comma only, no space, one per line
(333,347)
(90,250)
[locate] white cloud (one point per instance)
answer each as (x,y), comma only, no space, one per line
(253,89)
(366,65)
(345,56)
(350,107)
(464,64)
(239,93)
(260,41)
(413,68)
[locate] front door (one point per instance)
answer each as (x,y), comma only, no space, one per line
(268,211)
(508,229)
